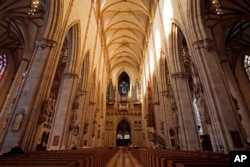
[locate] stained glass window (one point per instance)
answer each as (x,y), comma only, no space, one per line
(247,65)
(3,64)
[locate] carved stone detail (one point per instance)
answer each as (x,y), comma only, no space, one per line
(43,43)
(206,44)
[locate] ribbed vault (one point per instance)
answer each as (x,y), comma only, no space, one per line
(125,25)
(235,22)
(18,29)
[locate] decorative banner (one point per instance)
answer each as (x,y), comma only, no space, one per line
(17,122)
(55,141)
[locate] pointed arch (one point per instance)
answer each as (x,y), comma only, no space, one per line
(84,72)
(123,133)
(52,19)
(73,49)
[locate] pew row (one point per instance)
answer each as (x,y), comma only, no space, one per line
(178,158)
(87,157)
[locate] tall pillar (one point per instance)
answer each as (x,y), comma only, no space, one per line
(92,123)
(84,124)
(62,118)
(225,125)
(188,132)
(166,91)
(186,125)
(237,95)
(23,108)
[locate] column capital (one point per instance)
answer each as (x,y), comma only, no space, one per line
(83,92)
(43,43)
(207,44)
(26,60)
(70,75)
(179,75)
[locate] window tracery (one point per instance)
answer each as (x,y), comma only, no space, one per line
(3,64)
(247,65)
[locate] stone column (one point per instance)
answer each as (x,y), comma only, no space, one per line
(84,124)
(237,95)
(23,108)
(227,132)
(212,128)
(61,122)
(188,132)
(87,120)
(166,99)
(92,123)
(187,129)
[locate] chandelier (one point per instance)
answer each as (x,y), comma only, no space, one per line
(33,7)
(217,5)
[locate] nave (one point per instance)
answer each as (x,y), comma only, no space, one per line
(123,158)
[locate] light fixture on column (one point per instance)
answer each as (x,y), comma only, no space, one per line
(33,7)
(217,5)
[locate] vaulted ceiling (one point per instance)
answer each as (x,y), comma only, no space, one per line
(125,26)
(234,20)
(17,27)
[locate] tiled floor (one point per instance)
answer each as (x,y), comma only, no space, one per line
(123,159)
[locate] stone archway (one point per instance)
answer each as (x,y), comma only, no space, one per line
(123,134)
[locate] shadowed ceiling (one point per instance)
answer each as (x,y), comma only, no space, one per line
(234,22)
(18,29)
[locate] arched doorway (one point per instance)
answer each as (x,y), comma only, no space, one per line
(123,134)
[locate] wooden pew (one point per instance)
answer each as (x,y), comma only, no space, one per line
(207,164)
(32,163)
(172,158)
(91,157)
(196,162)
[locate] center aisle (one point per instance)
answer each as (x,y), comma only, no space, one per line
(123,159)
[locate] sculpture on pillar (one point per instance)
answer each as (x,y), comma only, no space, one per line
(44,112)
(73,120)
(48,106)
(73,126)
(86,125)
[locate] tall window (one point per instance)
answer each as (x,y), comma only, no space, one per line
(21,83)
(247,65)
(3,64)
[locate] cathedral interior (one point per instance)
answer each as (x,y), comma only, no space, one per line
(171,74)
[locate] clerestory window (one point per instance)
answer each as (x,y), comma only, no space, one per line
(3,64)
(247,65)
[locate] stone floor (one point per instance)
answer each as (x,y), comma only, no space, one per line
(123,158)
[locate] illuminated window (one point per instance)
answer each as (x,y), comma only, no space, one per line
(126,135)
(21,83)
(3,64)
(119,135)
(247,65)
